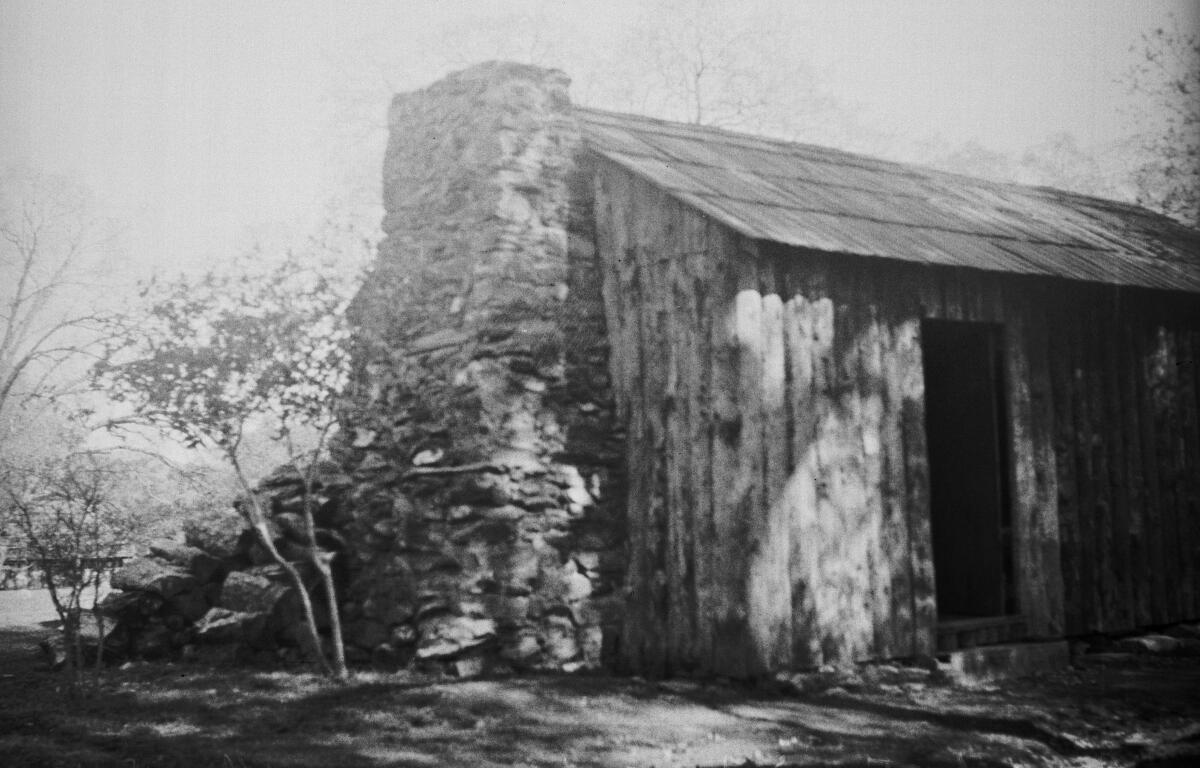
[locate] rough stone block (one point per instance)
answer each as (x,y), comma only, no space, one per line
(367,633)
(148,574)
(192,559)
(448,636)
(131,607)
(250,593)
(219,533)
(521,648)
(560,641)
(189,605)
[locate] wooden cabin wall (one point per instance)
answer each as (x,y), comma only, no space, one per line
(862,563)
(778,509)
(690,365)
(1127,446)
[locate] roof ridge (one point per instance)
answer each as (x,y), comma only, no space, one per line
(902,167)
(743,135)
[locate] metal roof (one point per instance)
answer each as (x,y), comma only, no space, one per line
(828,200)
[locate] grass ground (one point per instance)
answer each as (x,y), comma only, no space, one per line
(1114,713)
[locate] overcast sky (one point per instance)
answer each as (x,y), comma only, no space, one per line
(202,124)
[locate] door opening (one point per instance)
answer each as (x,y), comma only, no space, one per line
(967,439)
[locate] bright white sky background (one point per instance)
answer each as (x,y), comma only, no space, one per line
(201,125)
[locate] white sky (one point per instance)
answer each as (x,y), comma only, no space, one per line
(203,124)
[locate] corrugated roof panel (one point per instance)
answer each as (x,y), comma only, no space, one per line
(762,163)
(755,218)
(840,202)
(687,150)
(611,138)
(742,185)
(977,214)
(1101,266)
(668,174)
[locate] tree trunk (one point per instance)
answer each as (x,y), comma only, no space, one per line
(257,518)
(321,561)
(335,620)
(99,616)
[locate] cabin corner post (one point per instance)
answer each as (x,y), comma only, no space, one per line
(487,510)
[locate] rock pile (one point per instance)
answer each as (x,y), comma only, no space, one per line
(180,596)
(424,577)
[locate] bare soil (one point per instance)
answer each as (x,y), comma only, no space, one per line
(1111,710)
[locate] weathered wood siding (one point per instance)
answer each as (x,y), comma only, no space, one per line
(778,505)
(1123,373)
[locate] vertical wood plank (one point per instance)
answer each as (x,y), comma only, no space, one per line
(871,389)
(1085,475)
(671,306)
(620,296)
(638,568)
(656,363)
(1062,385)
(1106,570)
(807,341)
(953,303)
(916,470)
(847,469)
(1153,520)
(1028,576)
(746,494)
(1189,468)
(1044,528)
(708,577)
(827,526)
(1121,601)
(1140,564)
(897,310)
(691,453)
(772,582)
(1190,371)
(1161,373)
(730,649)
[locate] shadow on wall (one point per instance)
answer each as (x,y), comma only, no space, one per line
(827,445)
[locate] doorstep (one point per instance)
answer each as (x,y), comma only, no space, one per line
(994,662)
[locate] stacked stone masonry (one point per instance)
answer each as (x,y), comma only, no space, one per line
(486,507)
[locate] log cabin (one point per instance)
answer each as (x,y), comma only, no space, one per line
(863,410)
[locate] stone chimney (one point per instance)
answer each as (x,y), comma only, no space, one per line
(485,521)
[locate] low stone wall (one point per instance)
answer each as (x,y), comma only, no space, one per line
(427,577)
(218,595)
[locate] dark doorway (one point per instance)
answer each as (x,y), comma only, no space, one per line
(968,468)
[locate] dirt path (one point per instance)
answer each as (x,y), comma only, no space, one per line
(1115,711)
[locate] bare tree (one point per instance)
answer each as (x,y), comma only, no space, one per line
(719,64)
(49,248)
(68,515)
(1167,78)
(51,245)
